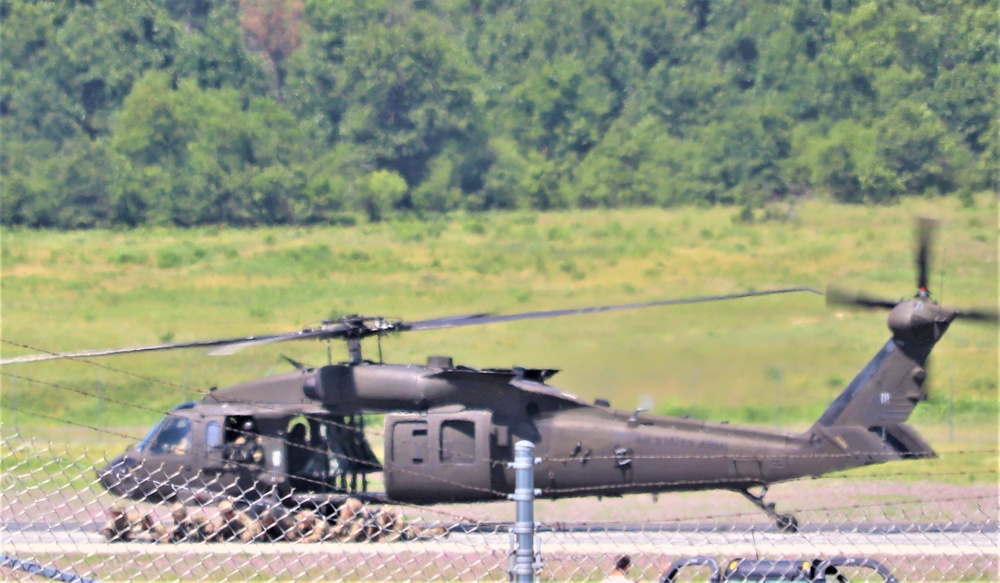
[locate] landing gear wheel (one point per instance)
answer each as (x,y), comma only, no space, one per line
(787,523)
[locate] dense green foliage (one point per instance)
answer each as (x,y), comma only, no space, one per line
(257,112)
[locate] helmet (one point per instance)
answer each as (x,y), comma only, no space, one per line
(351,508)
(274,514)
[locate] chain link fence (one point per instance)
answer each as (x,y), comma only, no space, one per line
(60,521)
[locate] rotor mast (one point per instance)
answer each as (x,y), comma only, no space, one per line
(354,350)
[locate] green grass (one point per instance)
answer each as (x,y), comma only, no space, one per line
(769,361)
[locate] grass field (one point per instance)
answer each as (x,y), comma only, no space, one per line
(773,361)
(769,361)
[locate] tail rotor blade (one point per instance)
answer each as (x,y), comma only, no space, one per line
(988,315)
(844,297)
(925,238)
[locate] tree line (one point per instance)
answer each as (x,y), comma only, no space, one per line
(260,112)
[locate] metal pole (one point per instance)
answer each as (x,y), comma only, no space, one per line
(524,527)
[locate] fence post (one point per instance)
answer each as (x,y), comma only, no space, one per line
(524,528)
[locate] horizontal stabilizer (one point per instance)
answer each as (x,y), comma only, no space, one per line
(905,440)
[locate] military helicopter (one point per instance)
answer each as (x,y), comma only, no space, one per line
(450,430)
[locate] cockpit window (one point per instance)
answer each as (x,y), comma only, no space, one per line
(149,436)
(174,438)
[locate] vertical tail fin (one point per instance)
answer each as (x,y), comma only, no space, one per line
(884,393)
(867,421)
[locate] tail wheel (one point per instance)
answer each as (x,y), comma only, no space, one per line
(787,523)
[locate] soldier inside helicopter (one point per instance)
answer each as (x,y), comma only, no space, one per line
(244,443)
(321,452)
(328,454)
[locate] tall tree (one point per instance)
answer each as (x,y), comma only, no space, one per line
(273,28)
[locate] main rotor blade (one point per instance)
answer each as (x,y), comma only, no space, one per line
(153,348)
(477,319)
(844,297)
(354,327)
(925,238)
(357,327)
(447,322)
(319,334)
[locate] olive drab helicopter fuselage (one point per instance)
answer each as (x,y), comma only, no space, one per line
(449,431)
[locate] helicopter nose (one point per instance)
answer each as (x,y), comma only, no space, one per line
(116,477)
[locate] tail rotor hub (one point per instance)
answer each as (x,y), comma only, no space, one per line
(909,318)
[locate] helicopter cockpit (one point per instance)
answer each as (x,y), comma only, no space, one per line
(174,437)
(199,451)
(171,434)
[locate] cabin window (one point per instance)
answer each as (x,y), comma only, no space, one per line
(174,438)
(213,435)
(458,442)
(409,442)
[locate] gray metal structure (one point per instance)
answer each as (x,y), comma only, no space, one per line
(525,566)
